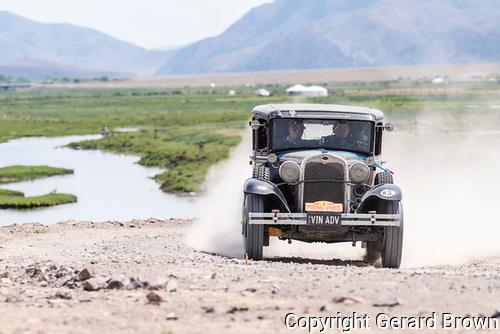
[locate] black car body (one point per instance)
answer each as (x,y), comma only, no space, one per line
(318,177)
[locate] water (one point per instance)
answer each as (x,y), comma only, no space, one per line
(108,186)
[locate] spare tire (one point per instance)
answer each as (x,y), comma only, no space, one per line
(384,178)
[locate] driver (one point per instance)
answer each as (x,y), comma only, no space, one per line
(342,130)
(342,136)
(295,132)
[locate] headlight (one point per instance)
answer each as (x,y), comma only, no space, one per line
(290,172)
(359,172)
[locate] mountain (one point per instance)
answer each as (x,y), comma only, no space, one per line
(36,69)
(71,45)
(314,34)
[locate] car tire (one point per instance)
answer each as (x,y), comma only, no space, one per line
(254,234)
(393,239)
(374,248)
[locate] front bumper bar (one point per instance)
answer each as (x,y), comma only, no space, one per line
(340,219)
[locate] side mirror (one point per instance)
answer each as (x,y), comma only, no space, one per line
(255,124)
(389,127)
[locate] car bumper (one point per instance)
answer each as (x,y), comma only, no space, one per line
(339,219)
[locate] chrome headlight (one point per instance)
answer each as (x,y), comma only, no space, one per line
(290,172)
(359,172)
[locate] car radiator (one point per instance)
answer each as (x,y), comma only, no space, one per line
(324,181)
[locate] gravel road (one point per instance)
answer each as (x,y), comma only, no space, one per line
(140,277)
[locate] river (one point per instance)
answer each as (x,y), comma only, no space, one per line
(109,186)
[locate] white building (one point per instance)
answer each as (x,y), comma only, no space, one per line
(310,91)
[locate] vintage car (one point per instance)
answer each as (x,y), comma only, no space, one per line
(318,177)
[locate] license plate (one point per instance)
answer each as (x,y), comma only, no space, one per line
(324,206)
(323,219)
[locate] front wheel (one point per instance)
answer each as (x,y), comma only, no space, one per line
(374,248)
(392,250)
(254,234)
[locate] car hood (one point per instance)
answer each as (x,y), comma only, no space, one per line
(299,156)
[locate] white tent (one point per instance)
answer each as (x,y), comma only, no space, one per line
(296,90)
(300,90)
(438,80)
(263,92)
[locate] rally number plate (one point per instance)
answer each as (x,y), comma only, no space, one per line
(323,219)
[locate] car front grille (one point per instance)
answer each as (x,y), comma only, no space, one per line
(324,181)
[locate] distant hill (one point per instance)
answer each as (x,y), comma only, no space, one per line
(67,44)
(35,69)
(314,34)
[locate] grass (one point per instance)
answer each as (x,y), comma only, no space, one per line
(186,130)
(11,199)
(66,112)
(19,173)
(13,193)
(17,200)
(185,152)
(183,131)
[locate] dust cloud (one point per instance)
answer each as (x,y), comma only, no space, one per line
(446,166)
(450,181)
(218,226)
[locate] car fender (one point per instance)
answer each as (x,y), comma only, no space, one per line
(381,192)
(265,188)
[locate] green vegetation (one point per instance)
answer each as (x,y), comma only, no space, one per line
(22,173)
(6,192)
(16,200)
(186,130)
(185,152)
(50,113)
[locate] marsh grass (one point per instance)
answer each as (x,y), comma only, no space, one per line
(11,199)
(12,193)
(186,130)
(19,173)
(186,153)
(16,200)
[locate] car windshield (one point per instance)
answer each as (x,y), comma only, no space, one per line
(342,135)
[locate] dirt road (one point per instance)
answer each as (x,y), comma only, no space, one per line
(46,284)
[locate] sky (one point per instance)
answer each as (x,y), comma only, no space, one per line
(148,23)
